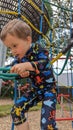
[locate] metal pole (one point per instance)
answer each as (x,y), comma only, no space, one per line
(41,20)
(15,98)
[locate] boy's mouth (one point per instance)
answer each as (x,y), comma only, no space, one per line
(17,55)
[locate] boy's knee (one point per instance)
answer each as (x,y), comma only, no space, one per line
(18,114)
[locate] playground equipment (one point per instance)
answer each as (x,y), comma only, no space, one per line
(41,15)
(28,11)
(64,108)
(44,26)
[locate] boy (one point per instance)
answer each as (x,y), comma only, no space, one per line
(31,60)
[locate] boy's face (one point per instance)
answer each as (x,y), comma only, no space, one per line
(18,46)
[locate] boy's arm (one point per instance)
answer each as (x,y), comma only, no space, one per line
(36,66)
(43,61)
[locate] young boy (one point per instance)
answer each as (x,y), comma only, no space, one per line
(31,60)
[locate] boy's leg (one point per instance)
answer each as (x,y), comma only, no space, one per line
(18,111)
(24,126)
(48,112)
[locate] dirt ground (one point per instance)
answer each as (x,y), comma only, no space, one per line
(34,120)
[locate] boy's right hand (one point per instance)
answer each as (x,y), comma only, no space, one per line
(20,70)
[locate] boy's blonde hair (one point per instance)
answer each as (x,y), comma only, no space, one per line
(17,28)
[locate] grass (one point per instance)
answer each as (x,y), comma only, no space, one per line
(36,108)
(5,109)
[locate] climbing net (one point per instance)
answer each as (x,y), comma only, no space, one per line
(45,18)
(29,11)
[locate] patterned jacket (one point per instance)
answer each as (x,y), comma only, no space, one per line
(43,79)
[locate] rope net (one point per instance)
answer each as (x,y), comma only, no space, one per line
(26,10)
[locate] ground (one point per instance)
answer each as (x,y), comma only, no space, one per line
(34,120)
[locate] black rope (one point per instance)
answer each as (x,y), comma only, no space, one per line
(28,11)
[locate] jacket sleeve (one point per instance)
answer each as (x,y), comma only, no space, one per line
(43,62)
(43,69)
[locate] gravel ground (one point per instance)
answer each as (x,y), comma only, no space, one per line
(34,120)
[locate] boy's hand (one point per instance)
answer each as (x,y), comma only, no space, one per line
(25,74)
(20,69)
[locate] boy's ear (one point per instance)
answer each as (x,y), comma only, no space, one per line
(29,39)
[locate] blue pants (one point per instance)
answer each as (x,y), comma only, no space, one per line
(48,109)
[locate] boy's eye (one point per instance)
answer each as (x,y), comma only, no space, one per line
(14,45)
